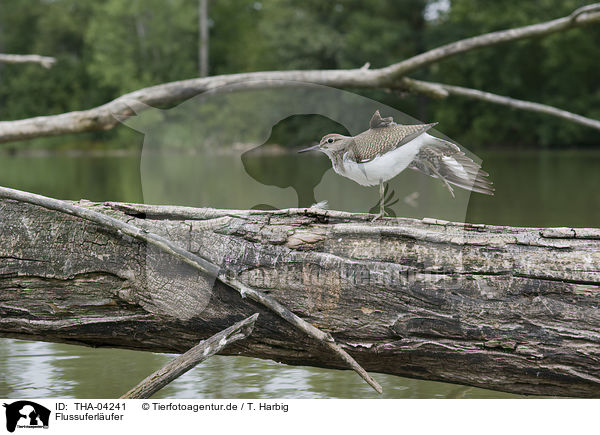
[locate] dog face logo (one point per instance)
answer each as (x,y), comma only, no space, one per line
(26,414)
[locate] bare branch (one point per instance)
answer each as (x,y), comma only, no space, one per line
(582,16)
(190,359)
(106,116)
(45,61)
(513,102)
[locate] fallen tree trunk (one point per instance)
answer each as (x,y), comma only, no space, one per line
(512,309)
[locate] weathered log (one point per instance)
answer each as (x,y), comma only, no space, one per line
(512,309)
(206,267)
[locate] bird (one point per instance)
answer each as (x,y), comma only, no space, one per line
(384,150)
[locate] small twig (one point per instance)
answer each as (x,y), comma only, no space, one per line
(45,61)
(193,260)
(187,361)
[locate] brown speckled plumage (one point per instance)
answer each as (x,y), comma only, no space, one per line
(378,141)
(370,157)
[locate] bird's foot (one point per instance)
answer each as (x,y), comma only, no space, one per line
(389,200)
(377,216)
(323,205)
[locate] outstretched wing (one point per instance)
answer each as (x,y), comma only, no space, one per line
(441,159)
(380,140)
(378,122)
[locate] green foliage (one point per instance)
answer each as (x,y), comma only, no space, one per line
(560,70)
(51,28)
(109,47)
(143,42)
(341,34)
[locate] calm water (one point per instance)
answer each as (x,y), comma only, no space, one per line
(533,189)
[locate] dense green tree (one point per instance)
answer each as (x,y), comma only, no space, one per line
(108,47)
(54,29)
(139,43)
(559,70)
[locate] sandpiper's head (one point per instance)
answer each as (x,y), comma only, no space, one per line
(333,142)
(330,144)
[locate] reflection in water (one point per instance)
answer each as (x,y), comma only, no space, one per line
(532,189)
(35,369)
(29,368)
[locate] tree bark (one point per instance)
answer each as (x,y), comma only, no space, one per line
(107,116)
(207,268)
(511,309)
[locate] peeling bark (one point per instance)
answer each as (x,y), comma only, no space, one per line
(511,309)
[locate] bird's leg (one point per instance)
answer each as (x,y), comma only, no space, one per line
(450,189)
(381,202)
(382,197)
(436,172)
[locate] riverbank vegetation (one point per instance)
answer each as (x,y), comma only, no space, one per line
(106,48)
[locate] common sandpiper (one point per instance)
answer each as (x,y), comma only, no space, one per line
(387,148)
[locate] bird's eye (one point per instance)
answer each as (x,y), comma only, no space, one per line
(330,140)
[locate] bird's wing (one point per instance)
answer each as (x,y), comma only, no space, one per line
(378,141)
(378,122)
(439,158)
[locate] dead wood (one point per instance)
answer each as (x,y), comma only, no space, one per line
(45,61)
(207,268)
(505,308)
(187,361)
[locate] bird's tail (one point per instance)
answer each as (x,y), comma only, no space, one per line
(441,159)
(463,172)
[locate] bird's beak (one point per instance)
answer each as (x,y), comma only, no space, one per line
(314,147)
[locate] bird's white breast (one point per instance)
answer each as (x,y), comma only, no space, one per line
(383,167)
